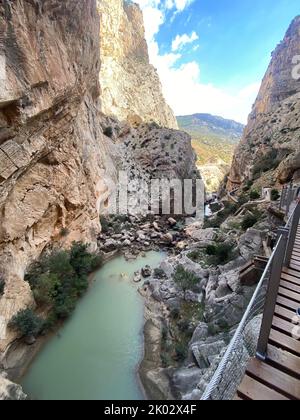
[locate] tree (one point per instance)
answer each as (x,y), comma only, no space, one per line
(254,195)
(186,280)
(27,323)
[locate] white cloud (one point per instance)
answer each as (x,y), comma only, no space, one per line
(182,85)
(181,40)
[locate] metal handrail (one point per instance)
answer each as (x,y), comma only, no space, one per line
(238,334)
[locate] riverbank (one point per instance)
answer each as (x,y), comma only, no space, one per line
(109,341)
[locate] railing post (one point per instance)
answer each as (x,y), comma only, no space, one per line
(292,235)
(271,297)
(282,198)
(289,200)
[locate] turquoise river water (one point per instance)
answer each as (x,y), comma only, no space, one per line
(95,356)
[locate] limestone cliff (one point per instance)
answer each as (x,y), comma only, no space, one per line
(54,160)
(270,147)
(131,88)
(57,167)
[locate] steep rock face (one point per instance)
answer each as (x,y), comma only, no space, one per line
(131,88)
(271,138)
(55,163)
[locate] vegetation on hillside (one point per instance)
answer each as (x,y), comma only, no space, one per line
(57,280)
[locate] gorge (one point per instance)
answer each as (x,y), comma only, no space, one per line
(80,102)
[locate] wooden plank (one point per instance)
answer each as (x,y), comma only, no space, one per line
(289,294)
(295,267)
(284,313)
(295,261)
(290,278)
(287,303)
(285,342)
(286,327)
(284,360)
(256,391)
(291,272)
(291,286)
(274,378)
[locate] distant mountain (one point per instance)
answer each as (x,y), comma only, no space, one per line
(210,125)
(214,140)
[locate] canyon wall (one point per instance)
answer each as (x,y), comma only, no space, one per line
(55,164)
(270,147)
(57,167)
(131,89)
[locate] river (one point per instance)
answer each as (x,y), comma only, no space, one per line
(96,354)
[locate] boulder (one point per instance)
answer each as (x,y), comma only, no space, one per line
(168,238)
(172,222)
(250,244)
(146,271)
(186,379)
(137,277)
(10,391)
(196,232)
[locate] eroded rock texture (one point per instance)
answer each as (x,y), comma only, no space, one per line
(271,139)
(55,163)
(131,89)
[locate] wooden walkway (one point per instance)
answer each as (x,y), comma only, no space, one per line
(278,378)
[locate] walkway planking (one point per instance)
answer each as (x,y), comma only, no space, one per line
(278,378)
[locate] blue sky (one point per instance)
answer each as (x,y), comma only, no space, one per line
(212,54)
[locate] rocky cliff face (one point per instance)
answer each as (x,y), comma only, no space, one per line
(270,144)
(131,88)
(56,164)
(54,160)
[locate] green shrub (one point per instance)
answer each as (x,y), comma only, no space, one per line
(249,221)
(27,323)
(2,286)
(254,195)
(46,288)
(248,185)
(59,279)
(104,224)
(108,132)
(275,195)
(64,232)
(186,280)
(180,352)
(159,273)
(175,313)
(220,253)
(195,255)
(243,199)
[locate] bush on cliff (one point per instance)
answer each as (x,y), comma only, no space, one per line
(249,221)
(275,195)
(59,279)
(27,323)
(254,195)
(186,280)
(2,285)
(220,253)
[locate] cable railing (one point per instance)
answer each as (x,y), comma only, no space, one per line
(245,344)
